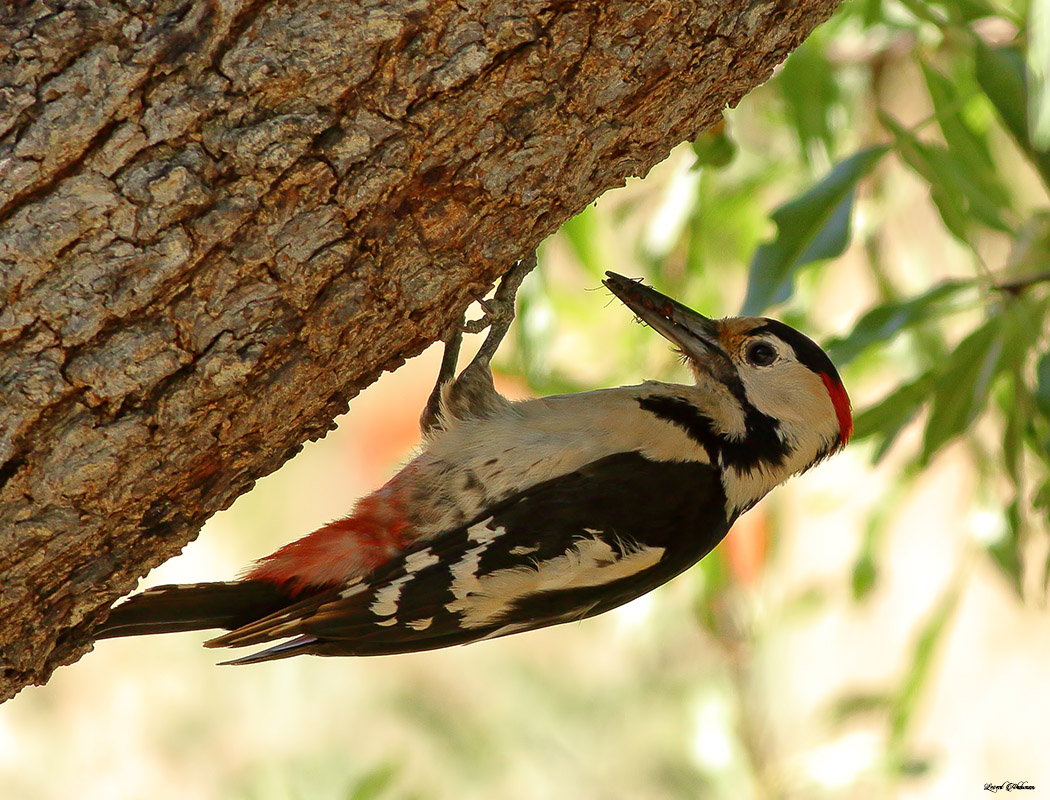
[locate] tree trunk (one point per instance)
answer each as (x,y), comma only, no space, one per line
(220,219)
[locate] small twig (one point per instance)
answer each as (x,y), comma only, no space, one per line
(1018,285)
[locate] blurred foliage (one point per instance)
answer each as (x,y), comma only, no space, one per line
(952,94)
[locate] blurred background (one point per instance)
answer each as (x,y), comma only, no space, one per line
(875,629)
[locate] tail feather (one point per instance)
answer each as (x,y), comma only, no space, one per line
(194,607)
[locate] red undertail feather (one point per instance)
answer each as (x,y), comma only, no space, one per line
(341,550)
(843,410)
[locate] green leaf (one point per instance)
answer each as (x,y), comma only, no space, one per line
(966,11)
(713,147)
(865,573)
(807,84)
(962,386)
(854,704)
(1005,552)
(953,214)
(879,325)
(815,225)
(1030,247)
(913,766)
(1023,320)
(947,106)
(959,13)
(1000,71)
(866,566)
(1039,73)
(965,380)
(804,604)
(965,145)
(922,10)
(953,190)
(1041,499)
(375,783)
(871,12)
(584,236)
(1042,385)
(1041,502)
(1013,437)
(714,578)
(931,634)
(888,417)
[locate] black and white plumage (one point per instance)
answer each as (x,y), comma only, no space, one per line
(516,516)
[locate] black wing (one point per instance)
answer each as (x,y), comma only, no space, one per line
(565,549)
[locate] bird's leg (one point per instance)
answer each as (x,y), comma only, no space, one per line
(473,388)
(499,312)
(428,420)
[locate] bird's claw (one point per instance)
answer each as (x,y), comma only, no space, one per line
(499,309)
(499,314)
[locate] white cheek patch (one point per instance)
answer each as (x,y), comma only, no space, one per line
(591,562)
(743,488)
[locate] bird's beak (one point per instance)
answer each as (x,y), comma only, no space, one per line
(696,334)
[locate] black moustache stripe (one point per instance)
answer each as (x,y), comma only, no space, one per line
(760,445)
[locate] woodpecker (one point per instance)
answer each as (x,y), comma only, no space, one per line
(519,515)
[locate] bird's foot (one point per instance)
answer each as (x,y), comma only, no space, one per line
(499,314)
(499,311)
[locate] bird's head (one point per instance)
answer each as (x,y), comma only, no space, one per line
(768,396)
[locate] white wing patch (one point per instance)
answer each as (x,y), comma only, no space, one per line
(386,599)
(591,562)
(484,532)
(385,603)
(465,572)
(356,587)
(421,560)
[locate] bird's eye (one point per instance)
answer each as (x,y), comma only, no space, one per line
(761,354)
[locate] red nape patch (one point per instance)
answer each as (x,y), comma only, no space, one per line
(843,410)
(341,550)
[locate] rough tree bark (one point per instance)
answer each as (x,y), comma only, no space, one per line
(220,219)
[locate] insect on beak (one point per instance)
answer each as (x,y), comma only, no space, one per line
(694,333)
